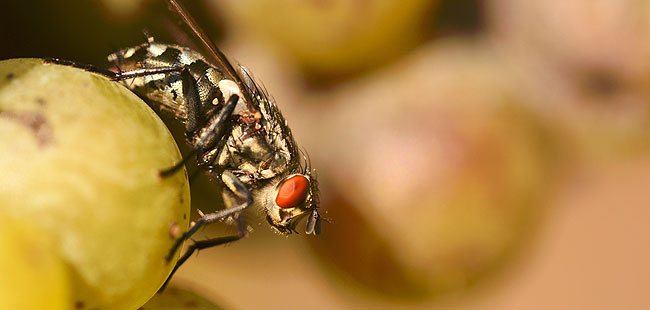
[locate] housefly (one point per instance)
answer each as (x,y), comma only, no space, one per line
(235,130)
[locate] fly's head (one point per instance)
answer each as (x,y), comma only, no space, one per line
(292,197)
(293,192)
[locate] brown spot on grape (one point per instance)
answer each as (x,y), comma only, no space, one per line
(10,76)
(36,122)
(79,304)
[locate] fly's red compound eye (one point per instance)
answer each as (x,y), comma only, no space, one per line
(292,191)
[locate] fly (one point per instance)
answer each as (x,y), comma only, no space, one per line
(236,131)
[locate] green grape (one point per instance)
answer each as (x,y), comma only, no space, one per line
(33,277)
(80,161)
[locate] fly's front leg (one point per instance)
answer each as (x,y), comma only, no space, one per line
(198,245)
(208,243)
(238,197)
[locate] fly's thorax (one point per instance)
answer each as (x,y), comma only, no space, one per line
(248,152)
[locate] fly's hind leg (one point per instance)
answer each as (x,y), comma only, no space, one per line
(90,68)
(115,76)
(239,198)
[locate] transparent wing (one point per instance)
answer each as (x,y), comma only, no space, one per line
(215,56)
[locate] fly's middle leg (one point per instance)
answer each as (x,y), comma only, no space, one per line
(215,126)
(214,129)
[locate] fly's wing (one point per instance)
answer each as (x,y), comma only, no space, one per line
(215,56)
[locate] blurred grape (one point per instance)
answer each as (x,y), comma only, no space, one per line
(434,171)
(123,9)
(586,67)
(439,170)
(176,298)
(331,37)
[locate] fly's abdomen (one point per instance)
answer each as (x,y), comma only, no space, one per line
(166,89)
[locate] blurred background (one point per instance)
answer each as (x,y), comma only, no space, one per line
(472,154)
